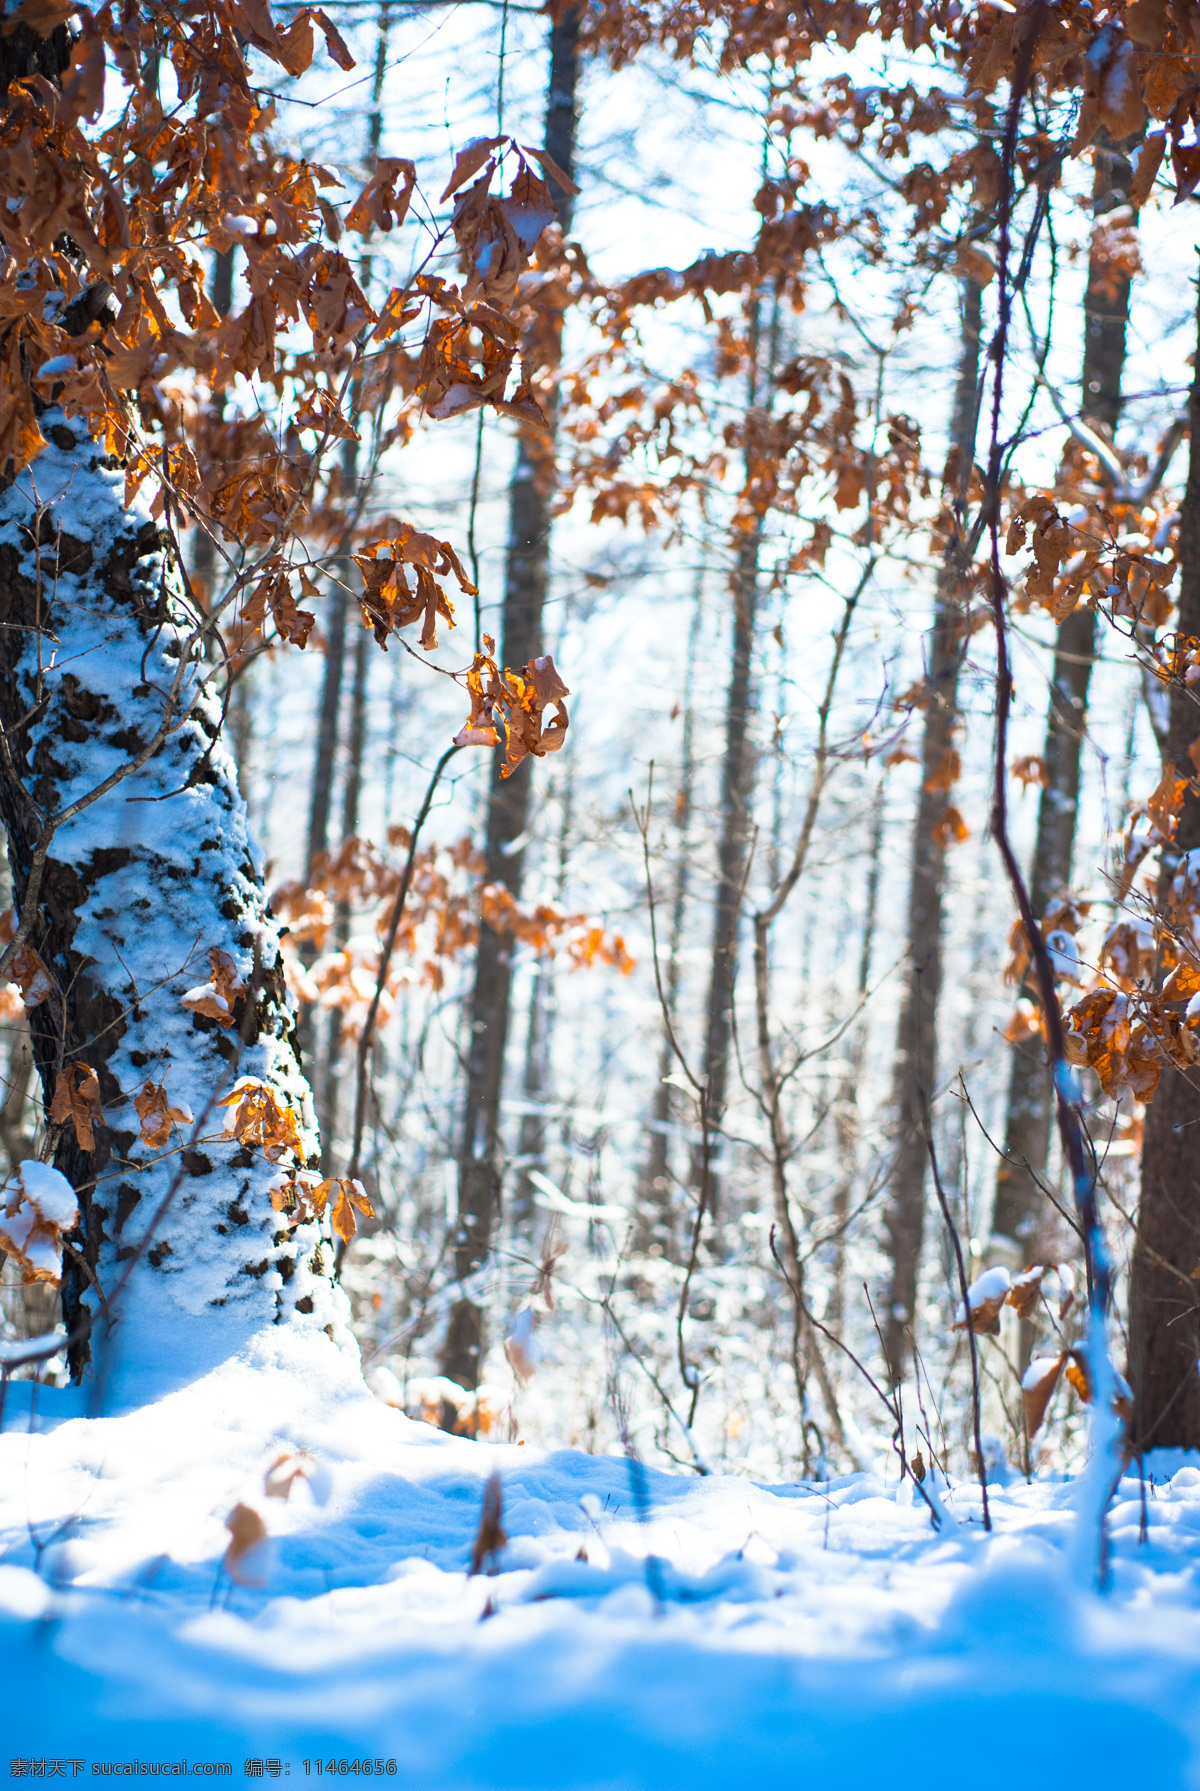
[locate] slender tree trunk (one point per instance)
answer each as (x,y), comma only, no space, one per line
(135,889)
(1021,1211)
(329,1084)
(530,506)
(536,1083)
(239,720)
(738,767)
(325,752)
(846,1114)
(916,1042)
(656,1228)
(1164,1299)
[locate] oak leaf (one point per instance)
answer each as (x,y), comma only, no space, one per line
(216,999)
(469,160)
(1026,1289)
(1037,1389)
(157,1115)
(258,1117)
(350,1194)
(31,977)
(40,1206)
(77,1100)
(985,1297)
(380,206)
(548,165)
(1164,804)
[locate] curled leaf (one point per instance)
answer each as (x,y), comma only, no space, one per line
(77,1101)
(985,1296)
(245,1560)
(31,977)
(157,1115)
(258,1117)
(215,999)
(40,1207)
(1037,1389)
(294,1465)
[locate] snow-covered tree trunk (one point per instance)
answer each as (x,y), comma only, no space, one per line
(179,1253)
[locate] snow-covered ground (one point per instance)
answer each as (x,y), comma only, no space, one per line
(718,1633)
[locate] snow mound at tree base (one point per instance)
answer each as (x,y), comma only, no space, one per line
(717,1633)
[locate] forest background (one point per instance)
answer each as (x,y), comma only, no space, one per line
(694,1186)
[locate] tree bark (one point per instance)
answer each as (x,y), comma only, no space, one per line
(847,1122)
(1164,1300)
(530,504)
(656,1229)
(536,1083)
(733,842)
(135,888)
(916,1041)
(1021,1212)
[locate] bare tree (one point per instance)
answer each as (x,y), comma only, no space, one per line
(1021,1211)
(1164,1301)
(530,508)
(916,1040)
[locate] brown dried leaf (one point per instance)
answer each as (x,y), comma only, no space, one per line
(1164,805)
(258,1117)
(986,1296)
(380,206)
(1079,1375)
(1031,769)
(157,1115)
(1149,161)
(77,1100)
(951,830)
(1026,1289)
(548,165)
(946,772)
(31,977)
(351,1194)
(1037,1389)
(334,41)
(469,160)
(41,1207)
(294,1465)
(490,1537)
(247,1534)
(216,999)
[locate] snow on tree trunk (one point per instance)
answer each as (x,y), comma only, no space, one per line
(138,887)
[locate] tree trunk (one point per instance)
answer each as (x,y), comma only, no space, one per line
(530,504)
(329,1084)
(733,841)
(656,1229)
(847,1122)
(543,1008)
(135,888)
(916,1041)
(1021,1213)
(1164,1303)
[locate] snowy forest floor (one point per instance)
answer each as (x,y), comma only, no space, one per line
(719,1633)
